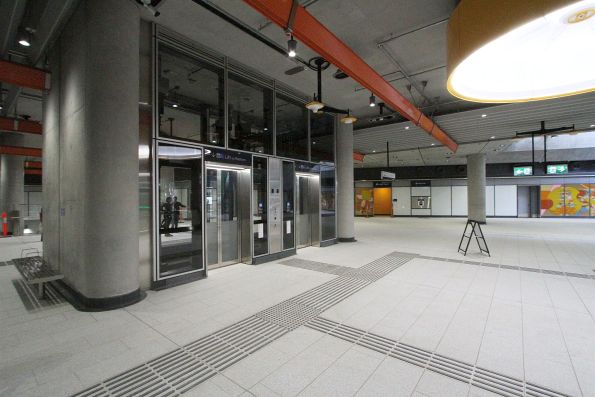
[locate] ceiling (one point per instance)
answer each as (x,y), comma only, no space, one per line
(396,38)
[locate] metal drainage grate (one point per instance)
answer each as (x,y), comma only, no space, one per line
(316,266)
(509,267)
(455,369)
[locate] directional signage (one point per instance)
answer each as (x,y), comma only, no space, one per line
(523,171)
(557,169)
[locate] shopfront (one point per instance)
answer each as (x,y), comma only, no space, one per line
(241,170)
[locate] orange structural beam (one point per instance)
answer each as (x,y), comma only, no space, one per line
(24,76)
(28,126)
(315,35)
(358,156)
(34,171)
(20,151)
(33,164)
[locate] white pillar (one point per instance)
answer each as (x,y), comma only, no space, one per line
(476,187)
(344,154)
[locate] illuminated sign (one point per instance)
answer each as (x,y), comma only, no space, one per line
(557,169)
(523,171)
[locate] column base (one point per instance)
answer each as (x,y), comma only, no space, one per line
(346,239)
(85,304)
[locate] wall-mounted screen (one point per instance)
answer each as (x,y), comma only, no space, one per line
(557,169)
(523,171)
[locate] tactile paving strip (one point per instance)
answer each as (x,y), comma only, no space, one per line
(316,266)
(182,369)
(464,372)
(509,267)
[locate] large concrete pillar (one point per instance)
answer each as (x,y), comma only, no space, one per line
(95,155)
(12,184)
(476,187)
(344,154)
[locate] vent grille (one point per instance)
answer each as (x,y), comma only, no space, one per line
(455,369)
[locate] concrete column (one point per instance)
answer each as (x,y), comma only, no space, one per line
(476,187)
(12,184)
(95,154)
(344,160)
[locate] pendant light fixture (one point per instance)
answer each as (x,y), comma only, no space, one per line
(291,47)
(318,64)
(348,119)
(314,105)
(538,49)
(372,101)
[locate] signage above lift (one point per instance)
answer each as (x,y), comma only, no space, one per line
(228,157)
(557,169)
(523,171)
(421,183)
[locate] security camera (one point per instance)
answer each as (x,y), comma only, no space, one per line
(147,4)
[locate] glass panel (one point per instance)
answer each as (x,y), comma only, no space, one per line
(322,134)
(180,209)
(191,98)
(576,200)
(259,206)
(552,200)
(229,216)
(327,202)
(292,128)
(288,205)
(250,115)
(212,204)
(303,212)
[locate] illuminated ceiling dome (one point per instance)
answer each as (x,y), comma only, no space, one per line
(521,50)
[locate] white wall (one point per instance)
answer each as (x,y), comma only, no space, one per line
(403,196)
(441,200)
(459,200)
(506,200)
(490,205)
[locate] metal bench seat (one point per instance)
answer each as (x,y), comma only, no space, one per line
(35,271)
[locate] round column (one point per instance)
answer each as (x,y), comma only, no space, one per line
(344,154)
(476,187)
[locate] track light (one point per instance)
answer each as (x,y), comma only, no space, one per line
(348,119)
(372,101)
(24,37)
(291,47)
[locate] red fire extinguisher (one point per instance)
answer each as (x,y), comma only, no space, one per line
(4,224)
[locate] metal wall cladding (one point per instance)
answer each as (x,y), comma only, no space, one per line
(275,207)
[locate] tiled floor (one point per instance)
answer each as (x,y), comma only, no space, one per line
(532,326)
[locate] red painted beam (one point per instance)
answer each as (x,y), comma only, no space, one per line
(32,164)
(34,172)
(315,35)
(24,76)
(16,125)
(358,156)
(20,151)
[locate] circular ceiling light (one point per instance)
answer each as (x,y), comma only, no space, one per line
(521,51)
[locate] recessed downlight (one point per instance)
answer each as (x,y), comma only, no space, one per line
(407,127)
(483,116)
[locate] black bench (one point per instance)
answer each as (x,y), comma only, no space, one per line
(35,271)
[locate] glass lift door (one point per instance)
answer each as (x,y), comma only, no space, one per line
(308,210)
(223,220)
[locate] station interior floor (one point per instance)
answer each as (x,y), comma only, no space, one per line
(365,318)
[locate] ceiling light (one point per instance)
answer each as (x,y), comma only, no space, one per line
(372,101)
(592,125)
(348,119)
(483,116)
(373,151)
(24,37)
(314,105)
(407,127)
(291,47)
(492,137)
(433,144)
(175,105)
(528,55)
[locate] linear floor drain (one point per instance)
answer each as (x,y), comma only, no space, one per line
(509,267)
(186,367)
(316,266)
(455,369)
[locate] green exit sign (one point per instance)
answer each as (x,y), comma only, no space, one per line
(523,171)
(557,169)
